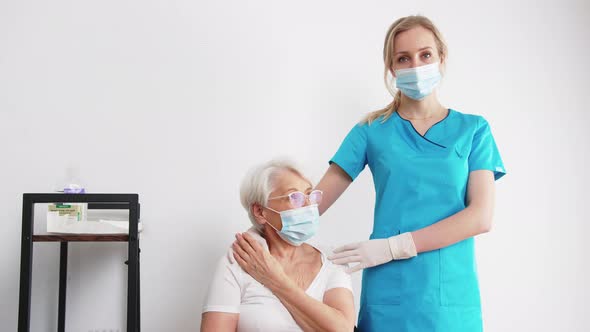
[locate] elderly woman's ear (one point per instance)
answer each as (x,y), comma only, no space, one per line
(257,213)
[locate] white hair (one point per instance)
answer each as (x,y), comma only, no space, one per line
(259,182)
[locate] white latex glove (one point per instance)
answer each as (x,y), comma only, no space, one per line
(375,252)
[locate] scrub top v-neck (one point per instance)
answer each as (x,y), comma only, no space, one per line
(426,132)
(420,180)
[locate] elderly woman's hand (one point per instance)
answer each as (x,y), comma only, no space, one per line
(257,261)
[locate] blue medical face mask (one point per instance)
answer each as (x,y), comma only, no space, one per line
(418,82)
(299,225)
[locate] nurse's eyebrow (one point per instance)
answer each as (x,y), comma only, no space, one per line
(422,49)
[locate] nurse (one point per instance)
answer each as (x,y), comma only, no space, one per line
(434,170)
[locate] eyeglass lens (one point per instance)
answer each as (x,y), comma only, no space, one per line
(297,198)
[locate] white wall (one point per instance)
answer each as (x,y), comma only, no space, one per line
(174,100)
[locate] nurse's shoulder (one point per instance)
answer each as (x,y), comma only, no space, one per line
(469,120)
(467,126)
(374,127)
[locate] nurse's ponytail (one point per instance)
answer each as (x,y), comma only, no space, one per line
(402,24)
(384,112)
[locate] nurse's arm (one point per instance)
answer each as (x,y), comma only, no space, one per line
(213,321)
(333,184)
(475,219)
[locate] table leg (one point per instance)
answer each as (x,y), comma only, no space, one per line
(26,267)
(63,277)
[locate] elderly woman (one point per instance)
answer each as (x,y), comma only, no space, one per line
(280,283)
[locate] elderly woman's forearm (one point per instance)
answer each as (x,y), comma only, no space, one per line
(332,320)
(301,319)
(311,314)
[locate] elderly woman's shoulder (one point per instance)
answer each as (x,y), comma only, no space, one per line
(326,251)
(321,247)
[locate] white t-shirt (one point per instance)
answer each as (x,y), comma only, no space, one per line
(235,291)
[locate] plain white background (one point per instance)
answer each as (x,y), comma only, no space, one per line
(175,100)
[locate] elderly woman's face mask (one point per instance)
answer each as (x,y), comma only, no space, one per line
(299,225)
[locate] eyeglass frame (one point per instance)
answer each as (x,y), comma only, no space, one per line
(306,196)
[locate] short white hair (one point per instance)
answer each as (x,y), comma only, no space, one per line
(259,182)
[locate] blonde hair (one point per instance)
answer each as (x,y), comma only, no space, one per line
(401,25)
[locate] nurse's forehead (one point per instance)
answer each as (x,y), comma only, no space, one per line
(414,40)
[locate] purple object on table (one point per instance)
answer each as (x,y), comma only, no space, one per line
(74,191)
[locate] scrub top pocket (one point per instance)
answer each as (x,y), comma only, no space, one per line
(386,274)
(458,275)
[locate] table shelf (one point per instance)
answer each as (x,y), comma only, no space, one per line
(80,238)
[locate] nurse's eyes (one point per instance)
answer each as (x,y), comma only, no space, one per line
(404,59)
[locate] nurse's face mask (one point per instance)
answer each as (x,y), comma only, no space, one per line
(418,82)
(302,222)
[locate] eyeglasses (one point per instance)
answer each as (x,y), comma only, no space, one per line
(297,198)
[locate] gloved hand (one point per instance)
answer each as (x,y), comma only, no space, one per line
(375,252)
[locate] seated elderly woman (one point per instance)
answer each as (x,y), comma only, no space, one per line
(272,280)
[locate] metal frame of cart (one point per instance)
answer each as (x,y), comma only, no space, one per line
(95,201)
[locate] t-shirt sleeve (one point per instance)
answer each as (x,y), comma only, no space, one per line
(352,154)
(338,278)
(224,292)
(484,152)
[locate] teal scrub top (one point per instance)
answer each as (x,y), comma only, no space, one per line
(420,180)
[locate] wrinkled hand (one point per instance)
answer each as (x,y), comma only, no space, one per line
(367,253)
(257,261)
